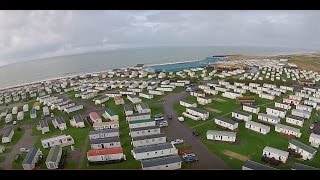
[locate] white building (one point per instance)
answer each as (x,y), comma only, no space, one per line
(301,113)
(266,96)
(154,151)
(314,139)
(282,105)
(284,129)
(251,108)
(59,123)
(203,100)
(268,118)
(142,123)
(148,140)
(62,140)
(257,127)
(54,157)
(226,123)
(106,154)
(277,154)
(304,107)
(241,115)
(204,115)
(187,103)
(231,95)
(295,120)
(276,111)
(7,135)
(77,121)
(171,162)
(304,150)
(142,131)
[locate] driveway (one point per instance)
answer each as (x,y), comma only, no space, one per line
(178,130)
(27,141)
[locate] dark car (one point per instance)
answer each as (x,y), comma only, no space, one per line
(169,117)
(191,159)
(194,133)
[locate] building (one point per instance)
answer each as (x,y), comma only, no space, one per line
(33,113)
(204,100)
(282,105)
(142,123)
(143,131)
(59,123)
(36,105)
(31,159)
(154,151)
(266,96)
(305,151)
(301,113)
(111,114)
(105,155)
(251,165)
(104,133)
(204,115)
(314,139)
(172,162)
(133,99)
(77,121)
(298,166)
(128,109)
(94,117)
(284,129)
(14,110)
(241,115)
(112,94)
(146,95)
(25,108)
(7,135)
(304,107)
(62,140)
(277,154)
(8,118)
(43,126)
(231,95)
(54,157)
(257,127)
(187,103)
(138,116)
(107,142)
(143,108)
(226,123)
(148,140)
(2,149)
(268,118)
(251,108)
(226,136)
(276,111)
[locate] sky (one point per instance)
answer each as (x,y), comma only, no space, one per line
(28,35)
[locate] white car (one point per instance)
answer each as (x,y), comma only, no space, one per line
(163,123)
(14,122)
(177,141)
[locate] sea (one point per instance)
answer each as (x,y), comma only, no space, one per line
(68,65)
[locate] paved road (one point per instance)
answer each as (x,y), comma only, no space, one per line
(25,142)
(176,129)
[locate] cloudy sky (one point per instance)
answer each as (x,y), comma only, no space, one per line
(33,34)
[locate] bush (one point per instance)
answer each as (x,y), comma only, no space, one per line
(19,129)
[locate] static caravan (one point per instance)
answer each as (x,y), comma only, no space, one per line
(231,95)
(45,111)
(197,94)
(172,162)
(142,123)
(95,117)
(7,135)
(310,103)
(148,140)
(146,95)
(143,108)
(257,127)
(226,136)
(112,94)
(304,150)
(251,108)
(204,115)
(105,125)
(31,159)
(268,118)
(101,100)
(111,114)
(304,107)
(155,92)
(20,116)
(73,108)
(226,123)
(301,113)
(15,110)
(295,120)
(107,142)
(314,139)
(43,126)
(204,100)
(241,115)
(210,91)
(251,165)
(284,129)
(142,131)
(118,100)
(277,154)
(138,116)
(286,88)
(33,113)
(54,157)
(62,140)
(276,111)
(282,105)
(77,121)
(59,123)
(133,99)
(25,108)
(266,96)
(128,109)
(104,133)
(105,155)
(154,151)
(187,103)
(8,118)
(298,166)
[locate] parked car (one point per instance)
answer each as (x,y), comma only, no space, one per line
(14,122)
(52,115)
(169,117)
(177,141)
(159,118)
(24,150)
(191,159)
(312,126)
(194,133)
(186,155)
(181,119)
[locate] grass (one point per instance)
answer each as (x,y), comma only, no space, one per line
(18,163)
(2,158)
(306,62)
(16,137)
(248,143)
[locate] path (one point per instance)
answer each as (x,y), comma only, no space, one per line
(178,130)
(24,142)
(83,152)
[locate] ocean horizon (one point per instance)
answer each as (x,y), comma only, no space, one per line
(68,65)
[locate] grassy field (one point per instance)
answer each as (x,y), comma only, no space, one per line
(249,143)
(2,158)
(16,137)
(307,62)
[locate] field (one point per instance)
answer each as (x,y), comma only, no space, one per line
(307,62)
(249,144)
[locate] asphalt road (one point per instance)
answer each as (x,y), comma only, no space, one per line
(178,130)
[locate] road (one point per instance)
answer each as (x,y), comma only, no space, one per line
(25,142)
(178,130)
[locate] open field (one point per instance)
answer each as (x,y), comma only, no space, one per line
(307,62)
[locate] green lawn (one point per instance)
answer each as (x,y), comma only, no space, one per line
(2,158)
